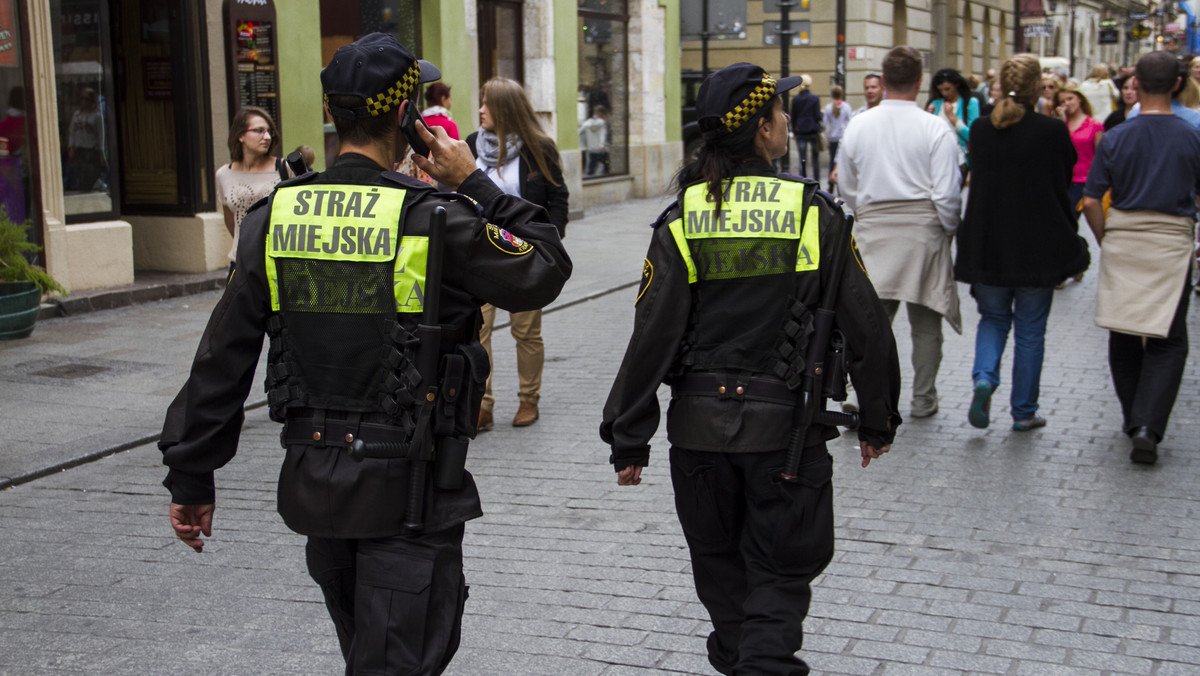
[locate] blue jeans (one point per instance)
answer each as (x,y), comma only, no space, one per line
(1026,310)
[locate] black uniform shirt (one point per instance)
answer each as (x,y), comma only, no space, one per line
(498,249)
(631,414)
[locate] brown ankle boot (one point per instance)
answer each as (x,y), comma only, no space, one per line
(527,414)
(485,421)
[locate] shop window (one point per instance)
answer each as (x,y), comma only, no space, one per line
(16,191)
(344,21)
(83,65)
(603,87)
(500,40)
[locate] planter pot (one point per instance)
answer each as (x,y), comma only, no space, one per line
(18,296)
(19,306)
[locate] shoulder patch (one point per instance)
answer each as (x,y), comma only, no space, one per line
(506,241)
(647,277)
(662,218)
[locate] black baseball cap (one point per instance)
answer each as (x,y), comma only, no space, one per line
(734,94)
(377,69)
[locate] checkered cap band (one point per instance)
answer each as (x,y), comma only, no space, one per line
(394,95)
(753,102)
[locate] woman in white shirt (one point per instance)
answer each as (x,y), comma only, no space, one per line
(520,158)
(253,171)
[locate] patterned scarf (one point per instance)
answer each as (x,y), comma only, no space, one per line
(487,144)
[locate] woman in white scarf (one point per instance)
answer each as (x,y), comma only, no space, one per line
(525,164)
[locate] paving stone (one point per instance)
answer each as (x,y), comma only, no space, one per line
(962,551)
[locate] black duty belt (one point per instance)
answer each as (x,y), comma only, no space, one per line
(731,386)
(318,431)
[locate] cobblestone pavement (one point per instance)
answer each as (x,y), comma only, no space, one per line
(962,551)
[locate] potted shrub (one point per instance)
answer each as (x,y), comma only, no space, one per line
(21,283)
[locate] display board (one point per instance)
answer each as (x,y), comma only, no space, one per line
(252,64)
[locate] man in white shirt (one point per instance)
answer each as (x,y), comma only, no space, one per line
(898,171)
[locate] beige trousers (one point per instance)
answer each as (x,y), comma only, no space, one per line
(926,352)
(526,329)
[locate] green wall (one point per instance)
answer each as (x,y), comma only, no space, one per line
(566,73)
(447,45)
(672,75)
(300,104)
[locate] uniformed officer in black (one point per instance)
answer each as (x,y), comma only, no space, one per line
(725,264)
(332,267)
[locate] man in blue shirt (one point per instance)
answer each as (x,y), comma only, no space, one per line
(1152,165)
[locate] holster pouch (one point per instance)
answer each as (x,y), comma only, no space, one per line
(450,462)
(833,384)
(452,383)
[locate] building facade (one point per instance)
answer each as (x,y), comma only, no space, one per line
(118,110)
(970,36)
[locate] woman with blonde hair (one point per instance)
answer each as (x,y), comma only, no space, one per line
(1017,240)
(1100,91)
(520,158)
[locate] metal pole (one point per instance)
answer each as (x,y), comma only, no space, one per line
(839,67)
(1018,30)
(785,44)
(704,38)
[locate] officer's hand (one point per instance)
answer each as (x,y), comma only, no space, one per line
(630,476)
(869,452)
(189,521)
(449,161)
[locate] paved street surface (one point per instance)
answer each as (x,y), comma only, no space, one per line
(962,551)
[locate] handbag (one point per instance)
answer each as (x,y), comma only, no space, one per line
(823,141)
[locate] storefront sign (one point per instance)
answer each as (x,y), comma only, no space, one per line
(252,62)
(156,78)
(8,35)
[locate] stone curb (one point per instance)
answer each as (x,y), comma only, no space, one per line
(136,296)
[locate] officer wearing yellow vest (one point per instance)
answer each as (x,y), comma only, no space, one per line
(733,272)
(333,268)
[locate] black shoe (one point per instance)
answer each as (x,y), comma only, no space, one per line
(1145,446)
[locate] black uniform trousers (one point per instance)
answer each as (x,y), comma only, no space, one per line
(1147,377)
(756,544)
(397,602)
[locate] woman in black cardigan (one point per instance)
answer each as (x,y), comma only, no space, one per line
(1017,240)
(526,164)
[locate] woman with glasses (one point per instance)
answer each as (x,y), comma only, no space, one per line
(1051,83)
(252,172)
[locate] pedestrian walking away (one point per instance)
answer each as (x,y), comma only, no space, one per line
(374,367)
(1147,239)
(724,315)
(806,127)
(1014,202)
(899,172)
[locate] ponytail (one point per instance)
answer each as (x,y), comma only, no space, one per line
(1019,79)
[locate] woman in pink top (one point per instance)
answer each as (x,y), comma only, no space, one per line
(1086,132)
(438,112)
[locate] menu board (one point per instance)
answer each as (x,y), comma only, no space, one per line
(254,75)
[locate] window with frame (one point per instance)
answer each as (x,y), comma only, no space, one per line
(603,87)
